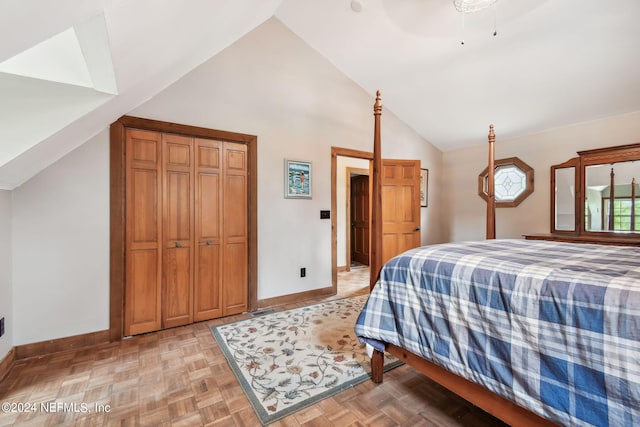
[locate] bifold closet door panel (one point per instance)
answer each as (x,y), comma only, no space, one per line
(235,237)
(143,233)
(178,230)
(186,230)
(208,190)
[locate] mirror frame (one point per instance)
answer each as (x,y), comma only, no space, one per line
(572,163)
(598,156)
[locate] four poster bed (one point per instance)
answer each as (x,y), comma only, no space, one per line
(533,332)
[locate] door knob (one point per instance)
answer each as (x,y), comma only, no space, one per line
(417,229)
(178,245)
(208,242)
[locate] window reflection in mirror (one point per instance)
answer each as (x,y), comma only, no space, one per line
(565,199)
(612,197)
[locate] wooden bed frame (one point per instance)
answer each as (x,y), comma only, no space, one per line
(490,402)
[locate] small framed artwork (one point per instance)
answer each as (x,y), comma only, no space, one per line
(424,187)
(297,179)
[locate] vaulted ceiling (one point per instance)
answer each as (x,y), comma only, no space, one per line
(69,68)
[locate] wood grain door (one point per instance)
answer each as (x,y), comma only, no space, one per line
(400,206)
(186,230)
(360,219)
(208,190)
(143,232)
(235,243)
(178,230)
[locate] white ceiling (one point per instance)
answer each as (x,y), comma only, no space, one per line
(551,64)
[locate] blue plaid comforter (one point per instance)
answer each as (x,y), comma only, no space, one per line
(553,327)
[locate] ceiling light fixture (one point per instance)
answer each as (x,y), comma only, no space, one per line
(470,6)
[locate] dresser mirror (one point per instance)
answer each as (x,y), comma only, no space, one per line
(564,194)
(598,193)
(611,193)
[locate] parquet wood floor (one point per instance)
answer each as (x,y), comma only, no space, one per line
(179,377)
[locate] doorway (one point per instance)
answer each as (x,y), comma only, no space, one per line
(358,221)
(401,209)
(345,164)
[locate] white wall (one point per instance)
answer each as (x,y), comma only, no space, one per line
(6,342)
(61,247)
(269,84)
(464,211)
(273,85)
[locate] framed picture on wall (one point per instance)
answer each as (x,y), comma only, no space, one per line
(424,187)
(297,179)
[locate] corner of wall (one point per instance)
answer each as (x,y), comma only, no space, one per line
(6,298)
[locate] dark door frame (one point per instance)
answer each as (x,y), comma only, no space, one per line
(344,152)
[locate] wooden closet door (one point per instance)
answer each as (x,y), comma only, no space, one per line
(178,230)
(208,191)
(143,234)
(235,232)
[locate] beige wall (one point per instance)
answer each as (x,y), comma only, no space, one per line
(270,84)
(464,211)
(273,85)
(61,247)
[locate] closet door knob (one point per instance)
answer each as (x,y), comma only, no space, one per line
(178,245)
(208,242)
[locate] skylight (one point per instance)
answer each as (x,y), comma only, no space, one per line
(78,56)
(52,84)
(57,59)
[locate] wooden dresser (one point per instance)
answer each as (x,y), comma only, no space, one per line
(600,240)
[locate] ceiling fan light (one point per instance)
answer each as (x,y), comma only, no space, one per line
(470,6)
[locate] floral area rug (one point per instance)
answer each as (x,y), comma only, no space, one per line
(288,360)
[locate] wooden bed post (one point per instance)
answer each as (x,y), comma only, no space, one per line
(377,366)
(376,200)
(498,406)
(491,201)
(612,198)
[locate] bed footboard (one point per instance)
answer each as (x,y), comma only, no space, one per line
(497,406)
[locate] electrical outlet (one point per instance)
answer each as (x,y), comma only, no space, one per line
(303,272)
(2,327)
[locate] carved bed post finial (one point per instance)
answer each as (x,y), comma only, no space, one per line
(491,202)
(376,205)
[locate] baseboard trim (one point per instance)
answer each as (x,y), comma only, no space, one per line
(7,363)
(342,268)
(61,344)
(300,296)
